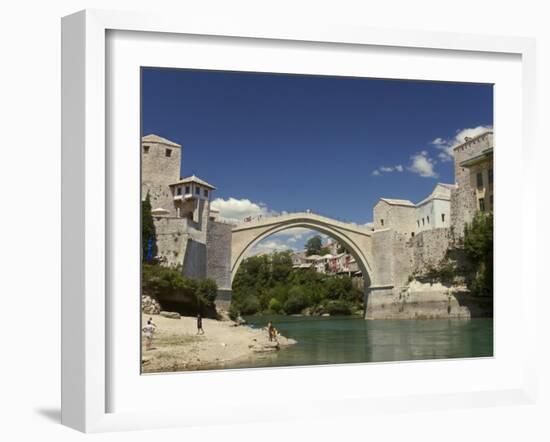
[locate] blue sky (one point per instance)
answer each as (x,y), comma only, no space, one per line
(273,143)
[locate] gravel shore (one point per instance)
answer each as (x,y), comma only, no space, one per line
(177,347)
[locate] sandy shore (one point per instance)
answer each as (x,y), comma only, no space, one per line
(176,345)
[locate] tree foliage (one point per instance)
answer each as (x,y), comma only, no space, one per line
(148,233)
(478,247)
(175,292)
(313,245)
(269,284)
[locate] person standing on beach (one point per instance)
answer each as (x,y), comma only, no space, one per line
(200,331)
(270,330)
(148,332)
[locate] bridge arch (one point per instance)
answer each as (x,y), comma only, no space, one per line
(354,238)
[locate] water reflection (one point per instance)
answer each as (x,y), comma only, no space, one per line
(344,340)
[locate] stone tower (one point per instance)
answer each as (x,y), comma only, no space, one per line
(160,167)
(465,194)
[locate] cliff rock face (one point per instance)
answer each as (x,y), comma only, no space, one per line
(418,301)
(409,298)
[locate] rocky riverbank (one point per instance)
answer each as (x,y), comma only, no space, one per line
(421,300)
(177,347)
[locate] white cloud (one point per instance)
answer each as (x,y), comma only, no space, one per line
(295,233)
(236,210)
(446,145)
(268,246)
(291,239)
(387,169)
(423,165)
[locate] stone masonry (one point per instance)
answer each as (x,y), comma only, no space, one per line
(430,248)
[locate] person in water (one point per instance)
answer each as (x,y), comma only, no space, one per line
(200,331)
(270,331)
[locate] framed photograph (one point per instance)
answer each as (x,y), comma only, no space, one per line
(300,214)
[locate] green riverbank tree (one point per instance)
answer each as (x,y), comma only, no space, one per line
(269,284)
(177,293)
(478,247)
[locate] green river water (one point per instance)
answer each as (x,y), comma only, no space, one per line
(337,340)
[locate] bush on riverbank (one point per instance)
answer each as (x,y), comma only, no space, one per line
(177,293)
(478,246)
(269,284)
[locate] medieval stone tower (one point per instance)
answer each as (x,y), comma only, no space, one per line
(188,234)
(160,167)
(473,161)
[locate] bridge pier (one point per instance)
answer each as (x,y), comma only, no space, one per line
(223,299)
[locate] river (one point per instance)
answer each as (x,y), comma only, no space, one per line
(336,340)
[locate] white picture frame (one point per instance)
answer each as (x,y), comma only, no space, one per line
(85,216)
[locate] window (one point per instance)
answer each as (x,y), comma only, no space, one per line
(482,204)
(490,173)
(187,189)
(178,191)
(412,234)
(422,221)
(428,218)
(168,152)
(479,180)
(382,221)
(417,223)
(197,190)
(206,192)
(442,217)
(146,149)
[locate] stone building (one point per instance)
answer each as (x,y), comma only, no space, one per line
(396,214)
(434,212)
(189,234)
(473,162)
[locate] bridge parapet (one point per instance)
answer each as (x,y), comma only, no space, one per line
(302,216)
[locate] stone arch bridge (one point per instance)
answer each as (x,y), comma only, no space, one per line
(382,255)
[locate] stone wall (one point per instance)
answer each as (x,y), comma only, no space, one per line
(392,258)
(218,254)
(402,259)
(430,248)
(194,262)
(382,262)
(172,237)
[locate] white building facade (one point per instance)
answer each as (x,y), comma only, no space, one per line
(434,212)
